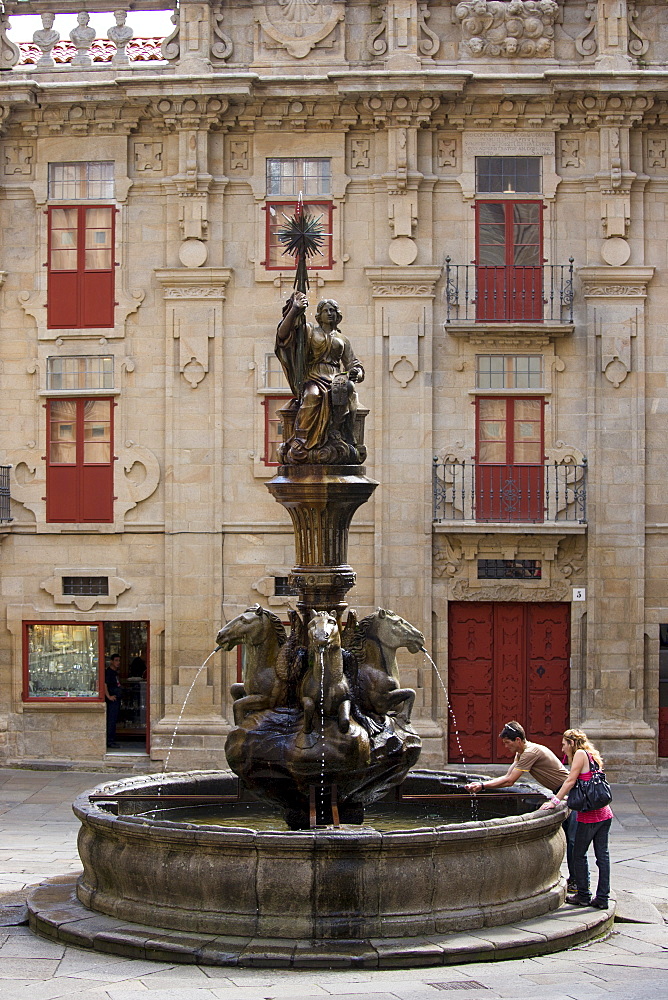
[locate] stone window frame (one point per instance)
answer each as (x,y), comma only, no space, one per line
(78,149)
(264,365)
(310,145)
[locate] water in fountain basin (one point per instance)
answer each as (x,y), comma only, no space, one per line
(474,800)
(183,708)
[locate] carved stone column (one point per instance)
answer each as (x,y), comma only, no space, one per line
(613,684)
(193,515)
(402,455)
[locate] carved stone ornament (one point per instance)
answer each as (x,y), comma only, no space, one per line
(519,28)
(194,299)
(9,51)
(120,34)
(116,586)
(46,37)
(136,478)
(298,25)
(82,37)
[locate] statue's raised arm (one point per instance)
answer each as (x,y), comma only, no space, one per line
(321,368)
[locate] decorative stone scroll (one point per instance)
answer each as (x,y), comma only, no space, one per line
(402,35)
(613,35)
(519,28)
(297,26)
(9,51)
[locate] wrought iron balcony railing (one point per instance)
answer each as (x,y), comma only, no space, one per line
(509,293)
(4,493)
(553,492)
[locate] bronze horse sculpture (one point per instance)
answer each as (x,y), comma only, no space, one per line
(263,635)
(324,683)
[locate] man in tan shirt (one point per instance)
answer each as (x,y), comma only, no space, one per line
(542,765)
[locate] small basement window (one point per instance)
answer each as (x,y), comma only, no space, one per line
(86,586)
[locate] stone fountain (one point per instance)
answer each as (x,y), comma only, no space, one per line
(322,733)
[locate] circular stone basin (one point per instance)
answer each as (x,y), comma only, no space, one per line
(146,863)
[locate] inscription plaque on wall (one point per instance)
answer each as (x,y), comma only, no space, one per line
(508,144)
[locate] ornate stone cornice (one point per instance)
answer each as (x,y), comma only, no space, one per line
(193,283)
(403,282)
(615,282)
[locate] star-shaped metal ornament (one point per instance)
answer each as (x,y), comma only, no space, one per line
(302,236)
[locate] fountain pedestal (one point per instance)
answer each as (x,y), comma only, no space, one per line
(321,501)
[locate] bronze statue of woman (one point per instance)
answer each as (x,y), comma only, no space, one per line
(320,367)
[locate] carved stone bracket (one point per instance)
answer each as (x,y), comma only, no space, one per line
(616,311)
(519,29)
(296,26)
(403,300)
(193,301)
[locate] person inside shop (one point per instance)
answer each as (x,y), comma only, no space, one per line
(544,767)
(112,697)
(137,669)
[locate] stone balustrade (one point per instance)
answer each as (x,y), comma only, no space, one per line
(195,40)
(405,35)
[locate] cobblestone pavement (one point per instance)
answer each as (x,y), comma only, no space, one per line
(38,840)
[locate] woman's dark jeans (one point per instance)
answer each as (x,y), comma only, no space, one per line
(596,834)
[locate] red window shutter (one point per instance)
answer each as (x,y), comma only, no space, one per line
(80,290)
(63,268)
(80,467)
(97,272)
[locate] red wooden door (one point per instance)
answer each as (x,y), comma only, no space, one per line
(509,459)
(509,257)
(506,661)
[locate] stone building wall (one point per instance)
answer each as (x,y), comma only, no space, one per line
(401,98)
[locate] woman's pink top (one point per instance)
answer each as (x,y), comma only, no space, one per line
(593,815)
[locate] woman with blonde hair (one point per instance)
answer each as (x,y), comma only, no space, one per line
(593,826)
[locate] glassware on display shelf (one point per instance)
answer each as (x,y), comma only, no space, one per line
(63,661)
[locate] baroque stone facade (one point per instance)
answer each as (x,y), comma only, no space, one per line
(423,114)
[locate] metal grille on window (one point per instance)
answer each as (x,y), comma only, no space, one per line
(86,586)
(85,181)
(508,174)
(282,588)
(509,371)
(80,372)
(509,569)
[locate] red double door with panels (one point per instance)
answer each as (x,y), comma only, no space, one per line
(507,661)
